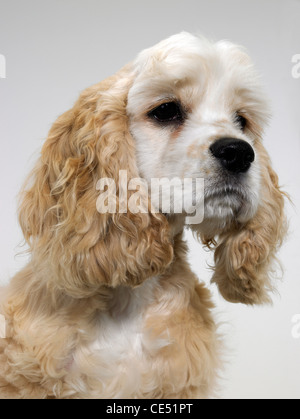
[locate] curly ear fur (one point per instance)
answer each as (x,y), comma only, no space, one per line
(244,254)
(58,213)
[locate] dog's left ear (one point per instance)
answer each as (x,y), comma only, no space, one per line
(245,253)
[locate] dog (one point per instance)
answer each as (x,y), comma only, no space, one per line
(107,306)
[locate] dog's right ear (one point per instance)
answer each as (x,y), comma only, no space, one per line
(245,253)
(79,248)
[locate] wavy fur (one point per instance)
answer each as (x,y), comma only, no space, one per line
(108,307)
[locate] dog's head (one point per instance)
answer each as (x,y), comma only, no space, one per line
(196,111)
(185,109)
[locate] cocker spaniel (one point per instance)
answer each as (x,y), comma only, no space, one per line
(108,306)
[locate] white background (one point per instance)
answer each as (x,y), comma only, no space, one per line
(56,48)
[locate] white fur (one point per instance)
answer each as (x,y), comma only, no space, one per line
(212,81)
(120,343)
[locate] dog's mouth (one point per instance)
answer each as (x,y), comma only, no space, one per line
(226,190)
(228,202)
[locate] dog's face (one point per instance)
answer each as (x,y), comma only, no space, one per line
(196,111)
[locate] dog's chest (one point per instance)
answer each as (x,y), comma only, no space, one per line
(120,330)
(116,357)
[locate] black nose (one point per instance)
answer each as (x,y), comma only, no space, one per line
(235,155)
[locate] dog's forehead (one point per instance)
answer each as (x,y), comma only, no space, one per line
(192,62)
(169,56)
(187,66)
(187,52)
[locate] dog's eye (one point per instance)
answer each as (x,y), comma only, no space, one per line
(167,112)
(241,121)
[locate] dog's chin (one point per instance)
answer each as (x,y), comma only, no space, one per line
(222,209)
